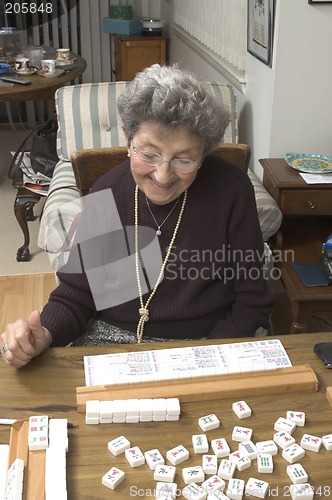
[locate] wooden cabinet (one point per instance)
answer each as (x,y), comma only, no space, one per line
(307,222)
(134,53)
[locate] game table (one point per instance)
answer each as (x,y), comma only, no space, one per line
(47,386)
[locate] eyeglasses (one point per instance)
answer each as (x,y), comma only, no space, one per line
(155,160)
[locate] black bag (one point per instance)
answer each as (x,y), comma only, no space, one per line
(43,155)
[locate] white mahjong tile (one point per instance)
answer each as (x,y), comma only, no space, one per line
(256,487)
(118,445)
(302,491)
(159,407)
(268,446)
(200,443)
(146,407)
(241,460)
(264,463)
(119,409)
(119,420)
(106,410)
(194,492)
(194,474)
(154,458)
(92,408)
(134,456)
(38,423)
(166,489)
(133,408)
(134,419)
(241,409)
(213,483)
(209,422)
(298,417)
(217,495)
(297,474)
(92,420)
(177,455)
(293,453)
(327,441)
(113,478)
(164,473)
(235,489)
(14,481)
(240,434)
(248,449)
(172,418)
(282,424)
(173,406)
(283,439)
(4,454)
(37,442)
(210,464)
(311,443)
(226,469)
(220,447)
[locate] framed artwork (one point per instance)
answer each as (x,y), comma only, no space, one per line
(319,1)
(260,29)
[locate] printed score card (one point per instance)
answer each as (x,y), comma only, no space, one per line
(184,362)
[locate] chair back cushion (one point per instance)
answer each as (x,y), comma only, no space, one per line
(88,117)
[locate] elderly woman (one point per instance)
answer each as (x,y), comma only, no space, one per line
(193,269)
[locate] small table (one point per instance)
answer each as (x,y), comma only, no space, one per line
(43,88)
(307,211)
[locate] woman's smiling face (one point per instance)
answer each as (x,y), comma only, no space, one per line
(164,183)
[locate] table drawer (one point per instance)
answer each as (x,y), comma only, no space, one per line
(306,202)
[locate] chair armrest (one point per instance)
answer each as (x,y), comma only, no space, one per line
(269,213)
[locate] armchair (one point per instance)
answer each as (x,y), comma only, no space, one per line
(88,119)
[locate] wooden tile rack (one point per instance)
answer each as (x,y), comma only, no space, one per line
(329,394)
(281,380)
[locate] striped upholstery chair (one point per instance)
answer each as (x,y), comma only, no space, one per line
(87,118)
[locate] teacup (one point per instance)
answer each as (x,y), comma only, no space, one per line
(22,65)
(63,55)
(48,66)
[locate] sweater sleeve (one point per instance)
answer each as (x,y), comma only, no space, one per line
(252,299)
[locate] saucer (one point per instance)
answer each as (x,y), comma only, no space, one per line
(31,71)
(57,72)
(65,62)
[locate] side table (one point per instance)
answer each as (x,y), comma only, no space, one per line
(307,211)
(23,209)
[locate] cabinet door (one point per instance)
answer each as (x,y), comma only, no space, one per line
(137,55)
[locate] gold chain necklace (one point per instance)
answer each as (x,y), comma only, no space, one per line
(143,310)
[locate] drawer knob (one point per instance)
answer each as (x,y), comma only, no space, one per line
(311,204)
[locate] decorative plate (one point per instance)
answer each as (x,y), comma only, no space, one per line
(31,71)
(308,163)
(57,72)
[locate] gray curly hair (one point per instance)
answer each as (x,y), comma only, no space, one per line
(173,98)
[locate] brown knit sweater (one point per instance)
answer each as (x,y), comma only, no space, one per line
(212,286)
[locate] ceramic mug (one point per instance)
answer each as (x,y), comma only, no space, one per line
(62,55)
(48,66)
(22,65)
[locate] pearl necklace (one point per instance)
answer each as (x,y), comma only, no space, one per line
(153,217)
(143,310)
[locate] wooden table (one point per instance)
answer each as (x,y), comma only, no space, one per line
(42,88)
(48,386)
(307,222)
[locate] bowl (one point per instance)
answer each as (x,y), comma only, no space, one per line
(152,27)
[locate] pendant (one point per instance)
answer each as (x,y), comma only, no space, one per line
(158,232)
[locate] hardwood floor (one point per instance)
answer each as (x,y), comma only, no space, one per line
(19,295)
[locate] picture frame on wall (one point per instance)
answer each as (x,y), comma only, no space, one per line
(260,29)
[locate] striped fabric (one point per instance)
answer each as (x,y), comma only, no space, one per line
(88,118)
(269,213)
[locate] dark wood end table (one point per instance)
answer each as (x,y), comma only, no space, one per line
(307,222)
